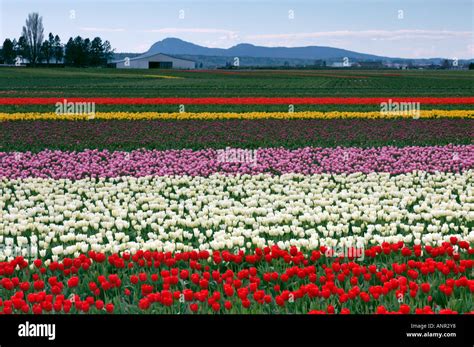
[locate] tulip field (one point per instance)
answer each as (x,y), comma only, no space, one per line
(238,192)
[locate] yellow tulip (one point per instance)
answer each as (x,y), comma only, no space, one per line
(233,115)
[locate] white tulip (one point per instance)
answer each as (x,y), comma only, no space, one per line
(291,209)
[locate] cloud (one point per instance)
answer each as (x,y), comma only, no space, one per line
(368,34)
(102,30)
(470,50)
(211,37)
(192,31)
(142,47)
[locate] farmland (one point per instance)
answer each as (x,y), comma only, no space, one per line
(199,134)
(71,82)
(271,191)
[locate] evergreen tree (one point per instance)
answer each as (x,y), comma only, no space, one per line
(58,49)
(47,50)
(8,52)
(21,48)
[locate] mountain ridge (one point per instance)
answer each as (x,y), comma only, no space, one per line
(251,55)
(177,46)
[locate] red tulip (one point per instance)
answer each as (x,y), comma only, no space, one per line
(184,274)
(144,304)
(109,308)
(38,263)
(99,304)
(425,287)
(404,308)
(73,282)
(38,285)
(330,309)
(228,305)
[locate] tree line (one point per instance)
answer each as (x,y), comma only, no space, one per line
(77,51)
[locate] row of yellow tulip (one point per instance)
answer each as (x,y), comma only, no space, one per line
(232,115)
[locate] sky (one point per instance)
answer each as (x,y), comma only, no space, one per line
(394,28)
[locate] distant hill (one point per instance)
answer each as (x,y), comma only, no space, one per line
(258,56)
(177,46)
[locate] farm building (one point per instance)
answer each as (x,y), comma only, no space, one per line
(155,60)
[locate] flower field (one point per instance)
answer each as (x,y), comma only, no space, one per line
(239,100)
(241,115)
(350,211)
(394,279)
(129,135)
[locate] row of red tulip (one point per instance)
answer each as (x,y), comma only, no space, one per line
(393,278)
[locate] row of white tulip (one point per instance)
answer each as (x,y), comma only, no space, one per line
(54,218)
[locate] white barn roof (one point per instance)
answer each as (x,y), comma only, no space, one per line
(149,55)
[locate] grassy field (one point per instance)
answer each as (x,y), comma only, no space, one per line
(69,82)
